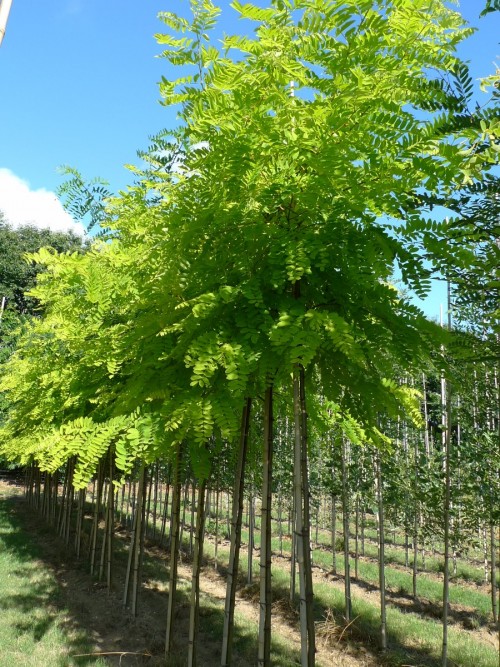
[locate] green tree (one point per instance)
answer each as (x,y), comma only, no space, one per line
(18,274)
(263,254)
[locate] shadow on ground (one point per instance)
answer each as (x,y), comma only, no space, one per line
(101,627)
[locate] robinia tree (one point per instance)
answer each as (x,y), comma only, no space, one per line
(259,256)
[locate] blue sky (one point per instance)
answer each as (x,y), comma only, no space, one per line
(78,82)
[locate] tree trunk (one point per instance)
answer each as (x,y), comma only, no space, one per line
(174,552)
(264,649)
(234,553)
(381,554)
(194,612)
(110,526)
(79,520)
(251,534)
(97,511)
(216,547)
(446,407)
(334,534)
(356,538)
(494,598)
(345,517)
(311,631)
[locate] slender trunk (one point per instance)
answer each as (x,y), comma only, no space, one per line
(280,521)
(494,598)
(79,521)
(130,559)
(334,534)
(356,538)
(104,541)
(264,649)
(174,551)
(345,517)
(293,559)
(486,568)
(194,612)
(251,534)
(155,498)
(129,502)
(183,521)
(446,574)
(97,511)
(446,406)
(139,538)
(165,511)
(110,526)
(147,506)
(415,521)
(363,525)
(381,555)
(216,548)
(311,646)
(234,553)
(191,524)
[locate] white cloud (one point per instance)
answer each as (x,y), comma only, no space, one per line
(40,208)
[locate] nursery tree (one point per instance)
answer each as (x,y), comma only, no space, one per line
(258,258)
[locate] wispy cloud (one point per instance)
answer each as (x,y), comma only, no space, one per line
(21,205)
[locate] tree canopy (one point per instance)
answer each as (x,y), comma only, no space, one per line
(303,171)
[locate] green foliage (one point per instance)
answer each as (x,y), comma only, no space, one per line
(256,237)
(491,6)
(18,273)
(84,200)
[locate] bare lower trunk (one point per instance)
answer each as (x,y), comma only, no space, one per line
(251,534)
(381,555)
(345,517)
(174,553)
(110,524)
(216,547)
(334,534)
(97,511)
(446,407)
(234,554)
(264,649)
(494,598)
(194,612)
(311,638)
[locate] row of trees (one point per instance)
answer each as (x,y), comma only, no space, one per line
(249,266)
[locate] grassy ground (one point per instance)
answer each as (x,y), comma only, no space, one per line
(411,637)
(35,630)
(40,627)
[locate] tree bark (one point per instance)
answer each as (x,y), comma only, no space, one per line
(234,554)
(345,517)
(194,612)
(264,649)
(381,555)
(174,552)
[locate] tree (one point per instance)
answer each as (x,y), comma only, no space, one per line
(18,274)
(261,259)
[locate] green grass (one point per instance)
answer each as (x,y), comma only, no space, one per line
(412,639)
(396,579)
(466,571)
(35,629)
